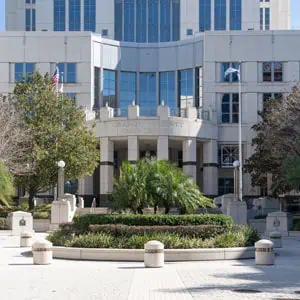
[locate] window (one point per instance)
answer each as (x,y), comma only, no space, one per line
(109,88)
(22,70)
(261,18)
(273,71)
(235,14)
(118,20)
(176,20)
(59,15)
(233,77)
(185,88)
(167,90)
(220,14)
(204,15)
(97,76)
(30,20)
(267,18)
(165,20)
(90,15)
(230,108)
(226,185)
(199,87)
(147,94)
(152,21)
(67,72)
(129,20)
(228,154)
(74,15)
(127,91)
(269,96)
(189,32)
(141,21)
(105,32)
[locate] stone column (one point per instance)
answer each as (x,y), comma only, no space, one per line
(163,148)
(190,157)
(106,167)
(210,168)
(133,149)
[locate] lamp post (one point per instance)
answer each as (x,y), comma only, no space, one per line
(240,136)
(60,179)
(236,166)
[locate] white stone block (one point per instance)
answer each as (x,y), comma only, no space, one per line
(163,112)
(238,211)
(26,239)
(42,253)
(279,221)
(133,111)
(80,202)
(225,199)
(276,239)
(72,199)
(154,254)
(61,212)
(264,253)
(20,221)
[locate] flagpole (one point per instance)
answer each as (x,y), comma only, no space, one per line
(240,135)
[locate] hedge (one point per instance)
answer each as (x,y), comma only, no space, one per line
(3,224)
(199,231)
(82,223)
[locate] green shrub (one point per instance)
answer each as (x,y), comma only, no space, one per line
(60,238)
(3,224)
(251,235)
(200,231)
(82,223)
(41,215)
(230,239)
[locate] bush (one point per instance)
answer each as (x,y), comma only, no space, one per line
(44,208)
(230,239)
(44,215)
(82,223)
(3,224)
(60,238)
(251,235)
(201,231)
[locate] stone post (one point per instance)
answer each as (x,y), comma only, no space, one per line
(133,149)
(190,157)
(163,148)
(61,183)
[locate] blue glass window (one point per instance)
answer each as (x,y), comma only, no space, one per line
(141,21)
(152,21)
(267,18)
(235,14)
(28,19)
(204,15)
(230,108)
(220,14)
(33,20)
(176,20)
(59,15)
(90,15)
(118,20)
(233,77)
(74,15)
(109,88)
(261,18)
(23,69)
(67,72)
(147,94)
(165,20)
(127,91)
(167,90)
(97,76)
(185,86)
(129,20)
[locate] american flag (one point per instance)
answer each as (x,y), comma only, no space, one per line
(55,77)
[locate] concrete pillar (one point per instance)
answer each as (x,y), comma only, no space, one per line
(210,168)
(163,148)
(133,149)
(106,166)
(190,157)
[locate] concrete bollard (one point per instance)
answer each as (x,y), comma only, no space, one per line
(264,253)
(26,239)
(154,254)
(42,253)
(276,238)
(80,202)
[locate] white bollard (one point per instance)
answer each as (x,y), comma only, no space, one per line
(42,253)
(276,238)
(26,239)
(264,253)
(80,202)
(154,254)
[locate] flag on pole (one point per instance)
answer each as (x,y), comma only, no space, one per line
(55,77)
(232,71)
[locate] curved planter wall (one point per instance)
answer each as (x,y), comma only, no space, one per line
(138,254)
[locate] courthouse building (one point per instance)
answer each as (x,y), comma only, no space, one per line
(151,74)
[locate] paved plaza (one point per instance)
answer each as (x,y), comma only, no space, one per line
(87,280)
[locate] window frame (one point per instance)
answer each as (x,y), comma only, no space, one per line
(273,71)
(232,112)
(232,150)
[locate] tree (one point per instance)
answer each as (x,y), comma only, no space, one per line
(15,137)
(58,132)
(6,186)
(278,137)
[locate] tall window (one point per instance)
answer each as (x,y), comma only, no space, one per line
(272,71)
(204,15)
(74,15)
(59,15)
(167,90)
(97,75)
(141,21)
(153,21)
(199,87)
(67,72)
(185,88)
(22,70)
(267,18)
(176,20)
(90,15)
(228,154)
(165,20)
(147,94)
(233,77)
(127,91)
(230,108)
(119,20)
(220,14)
(30,19)
(261,18)
(226,185)
(129,20)
(109,88)
(235,14)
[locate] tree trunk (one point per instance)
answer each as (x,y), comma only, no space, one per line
(31,198)
(155,209)
(167,209)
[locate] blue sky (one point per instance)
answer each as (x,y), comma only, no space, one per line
(295,14)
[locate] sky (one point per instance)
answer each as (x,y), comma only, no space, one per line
(295,14)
